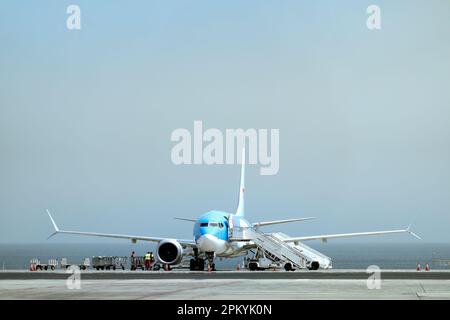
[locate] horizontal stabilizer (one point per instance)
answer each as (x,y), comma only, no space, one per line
(185,219)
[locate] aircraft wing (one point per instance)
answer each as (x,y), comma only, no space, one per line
(325,237)
(186,243)
(267,223)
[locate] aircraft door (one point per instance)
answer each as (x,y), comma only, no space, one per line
(230,227)
(235,230)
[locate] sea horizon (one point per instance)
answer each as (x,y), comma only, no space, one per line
(344,255)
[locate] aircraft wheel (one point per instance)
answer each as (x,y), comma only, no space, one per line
(252,266)
(288,266)
(196,264)
(201,264)
(314,265)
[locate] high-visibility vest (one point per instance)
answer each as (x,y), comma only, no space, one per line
(147,256)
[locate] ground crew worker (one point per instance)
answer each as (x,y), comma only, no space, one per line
(152,259)
(147,261)
(133,261)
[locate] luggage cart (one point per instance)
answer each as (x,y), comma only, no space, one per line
(83,266)
(119,263)
(114,263)
(35,264)
(139,264)
(52,264)
(108,263)
(98,263)
(86,264)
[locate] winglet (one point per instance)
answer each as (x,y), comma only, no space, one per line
(54,225)
(412,233)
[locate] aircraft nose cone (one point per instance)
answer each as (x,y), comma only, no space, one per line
(207,243)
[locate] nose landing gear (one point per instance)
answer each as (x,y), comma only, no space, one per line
(198,264)
(210,257)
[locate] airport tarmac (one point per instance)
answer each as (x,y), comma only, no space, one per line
(333,274)
(335,284)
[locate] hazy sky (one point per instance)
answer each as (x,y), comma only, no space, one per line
(86,116)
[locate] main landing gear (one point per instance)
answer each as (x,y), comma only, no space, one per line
(196,263)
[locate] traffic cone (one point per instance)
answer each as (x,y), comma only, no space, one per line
(427,267)
(209,268)
(238,267)
(418,266)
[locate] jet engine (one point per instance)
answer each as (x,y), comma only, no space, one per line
(169,251)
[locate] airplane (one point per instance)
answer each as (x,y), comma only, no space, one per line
(212,236)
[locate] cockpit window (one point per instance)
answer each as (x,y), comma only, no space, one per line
(211,224)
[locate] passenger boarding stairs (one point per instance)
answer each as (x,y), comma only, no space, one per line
(274,248)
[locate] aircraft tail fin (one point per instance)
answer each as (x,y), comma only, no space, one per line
(240,209)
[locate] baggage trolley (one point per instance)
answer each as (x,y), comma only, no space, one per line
(139,264)
(119,263)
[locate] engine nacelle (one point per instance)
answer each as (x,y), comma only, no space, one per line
(169,251)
